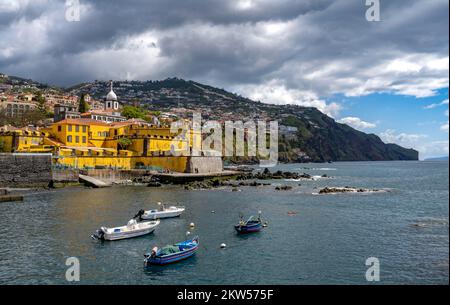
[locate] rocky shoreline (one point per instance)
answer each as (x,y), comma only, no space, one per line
(249,179)
(348,189)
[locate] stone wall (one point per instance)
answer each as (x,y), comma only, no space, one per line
(65,175)
(25,170)
(118,176)
(204,165)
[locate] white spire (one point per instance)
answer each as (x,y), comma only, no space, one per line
(111,96)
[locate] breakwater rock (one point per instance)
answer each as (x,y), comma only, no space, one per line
(283,188)
(246,179)
(347,189)
(266,174)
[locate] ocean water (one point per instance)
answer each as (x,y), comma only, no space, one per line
(327,241)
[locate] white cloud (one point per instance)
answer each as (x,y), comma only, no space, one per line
(444,127)
(427,148)
(433,149)
(357,123)
(275,92)
(7,6)
(431,106)
(403,139)
(315,47)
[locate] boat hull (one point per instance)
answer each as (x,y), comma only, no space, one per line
(124,232)
(248,228)
(162,214)
(125,235)
(174,257)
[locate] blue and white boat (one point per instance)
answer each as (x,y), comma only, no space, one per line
(172,253)
(253,224)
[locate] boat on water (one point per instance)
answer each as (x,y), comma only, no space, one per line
(253,224)
(132,229)
(172,253)
(163,212)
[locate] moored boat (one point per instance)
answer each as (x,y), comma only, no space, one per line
(253,224)
(163,212)
(132,229)
(172,253)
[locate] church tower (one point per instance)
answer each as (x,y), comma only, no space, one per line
(111,102)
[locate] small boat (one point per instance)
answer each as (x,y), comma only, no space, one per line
(172,253)
(253,224)
(163,212)
(132,229)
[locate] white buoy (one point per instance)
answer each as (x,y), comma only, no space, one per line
(222,245)
(213,211)
(192,224)
(188,233)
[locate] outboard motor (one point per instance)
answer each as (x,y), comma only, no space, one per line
(139,215)
(154,251)
(99,234)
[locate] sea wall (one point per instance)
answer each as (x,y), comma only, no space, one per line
(117,175)
(176,164)
(65,175)
(25,170)
(201,165)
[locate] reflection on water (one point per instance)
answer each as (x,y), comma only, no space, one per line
(326,240)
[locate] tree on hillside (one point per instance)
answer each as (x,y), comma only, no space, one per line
(83,106)
(31,117)
(131,112)
(40,99)
(156,113)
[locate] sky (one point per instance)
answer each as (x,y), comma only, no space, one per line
(388,77)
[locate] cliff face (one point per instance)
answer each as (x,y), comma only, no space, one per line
(323,139)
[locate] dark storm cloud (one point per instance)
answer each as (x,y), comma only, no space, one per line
(320,47)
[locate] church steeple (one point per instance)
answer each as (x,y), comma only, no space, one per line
(111,102)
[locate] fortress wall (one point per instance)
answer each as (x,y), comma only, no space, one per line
(25,170)
(201,165)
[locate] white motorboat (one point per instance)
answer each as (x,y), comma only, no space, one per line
(132,229)
(163,212)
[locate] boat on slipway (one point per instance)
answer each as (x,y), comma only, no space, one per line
(132,229)
(162,212)
(172,253)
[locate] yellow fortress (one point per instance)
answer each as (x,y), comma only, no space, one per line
(86,143)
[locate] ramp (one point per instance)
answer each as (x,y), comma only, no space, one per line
(94,182)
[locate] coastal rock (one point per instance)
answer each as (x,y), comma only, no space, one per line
(267,175)
(283,188)
(346,189)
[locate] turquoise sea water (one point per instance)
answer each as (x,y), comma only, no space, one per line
(326,242)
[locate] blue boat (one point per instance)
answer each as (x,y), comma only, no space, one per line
(172,253)
(253,224)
